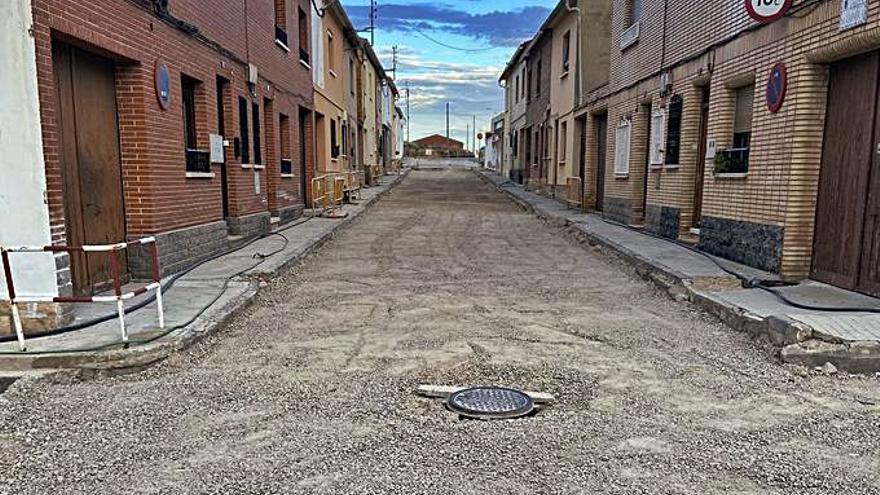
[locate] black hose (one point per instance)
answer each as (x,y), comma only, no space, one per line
(749,283)
(167,285)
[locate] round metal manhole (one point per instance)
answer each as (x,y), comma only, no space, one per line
(490,403)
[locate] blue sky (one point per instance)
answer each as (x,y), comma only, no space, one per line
(481,36)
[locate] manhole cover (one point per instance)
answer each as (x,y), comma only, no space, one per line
(490,403)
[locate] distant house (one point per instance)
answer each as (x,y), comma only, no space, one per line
(437,145)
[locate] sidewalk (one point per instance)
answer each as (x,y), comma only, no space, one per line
(848,340)
(213,284)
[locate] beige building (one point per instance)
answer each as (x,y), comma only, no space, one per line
(754,138)
(370,96)
(514,81)
(332,34)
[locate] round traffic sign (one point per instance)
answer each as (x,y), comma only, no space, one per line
(765,11)
(776,87)
(480,136)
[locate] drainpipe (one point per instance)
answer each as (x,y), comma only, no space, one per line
(578,87)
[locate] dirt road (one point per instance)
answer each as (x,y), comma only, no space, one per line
(446,282)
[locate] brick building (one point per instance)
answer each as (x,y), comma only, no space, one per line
(753,139)
(132,97)
(438,142)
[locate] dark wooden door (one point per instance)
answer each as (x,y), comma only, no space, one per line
(641,214)
(847,156)
(303,171)
(90,161)
(224,99)
(581,125)
(601,157)
(701,157)
(869,270)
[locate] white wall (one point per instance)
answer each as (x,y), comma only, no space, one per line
(24,214)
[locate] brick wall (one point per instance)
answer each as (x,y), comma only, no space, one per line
(159,197)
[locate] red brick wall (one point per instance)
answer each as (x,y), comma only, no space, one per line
(158,195)
(440,142)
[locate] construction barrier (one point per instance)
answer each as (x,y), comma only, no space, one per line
(353,185)
(115,272)
(575,192)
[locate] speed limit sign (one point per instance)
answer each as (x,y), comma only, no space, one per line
(765,11)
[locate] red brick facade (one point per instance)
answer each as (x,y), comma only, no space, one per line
(204,40)
(438,141)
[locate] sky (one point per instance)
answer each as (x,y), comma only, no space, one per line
(479,38)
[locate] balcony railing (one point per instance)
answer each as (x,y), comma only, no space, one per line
(732,161)
(286,166)
(198,161)
(281,35)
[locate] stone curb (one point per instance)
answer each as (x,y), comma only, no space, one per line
(798,343)
(121,361)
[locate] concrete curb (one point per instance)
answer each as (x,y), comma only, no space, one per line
(798,343)
(121,361)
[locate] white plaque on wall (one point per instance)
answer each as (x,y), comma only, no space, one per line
(216,148)
(853,13)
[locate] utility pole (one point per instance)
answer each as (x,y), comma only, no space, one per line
(407,110)
(373,9)
(467,136)
(447,120)
(474,137)
(394,62)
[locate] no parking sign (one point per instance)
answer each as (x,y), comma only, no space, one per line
(765,11)
(777,84)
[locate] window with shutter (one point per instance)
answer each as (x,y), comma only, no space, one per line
(658,124)
(621,148)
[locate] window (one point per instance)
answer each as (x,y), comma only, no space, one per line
(351,74)
(196,160)
(258,149)
(516,95)
(673,131)
(524,83)
(281,23)
(284,135)
(188,87)
(742,122)
(344,138)
(563,138)
(566,51)
(621,148)
(658,124)
(303,25)
(514,141)
(243,130)
(331,53)
(334,144)
(735,160)
(635,12)
(538,79)
(633,16)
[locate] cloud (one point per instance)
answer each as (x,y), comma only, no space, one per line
(497,28)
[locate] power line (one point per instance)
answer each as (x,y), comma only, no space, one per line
(454,47)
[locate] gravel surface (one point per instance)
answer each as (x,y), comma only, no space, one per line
(445,282)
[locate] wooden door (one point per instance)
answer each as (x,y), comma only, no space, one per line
(601,157)
(847,156)
(701,157)
(224,98)
(303,172)
(581,125)
(90,161)
(869,270)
